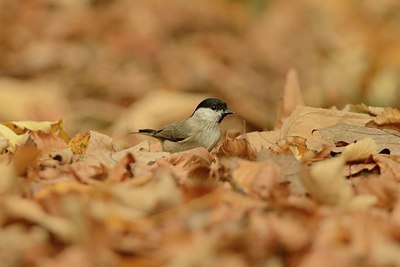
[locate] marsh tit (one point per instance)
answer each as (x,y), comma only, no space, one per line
(201,129)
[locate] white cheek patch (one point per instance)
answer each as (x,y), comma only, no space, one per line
(208,114)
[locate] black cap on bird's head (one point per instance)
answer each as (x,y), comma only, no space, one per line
(216,105)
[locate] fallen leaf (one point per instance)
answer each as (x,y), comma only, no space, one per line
(99,150)
(290,234)
(79,143)
(361,150)
(122,170)
(158,195)
(388,116)
(348,133)
(389,166)
(362,108)
(24,158)
(327,184)
(9,183)
(182,163)
(291,98)
(352,169)
(291,169)
(257,179)
(142,154)
(305,120)
(20,127)
(19,208)
(362,202)
(238,147)
(263,140)
(19,242)
(12,138)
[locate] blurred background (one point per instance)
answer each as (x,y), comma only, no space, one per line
(116,66)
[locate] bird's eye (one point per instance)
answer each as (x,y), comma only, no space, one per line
(214,107)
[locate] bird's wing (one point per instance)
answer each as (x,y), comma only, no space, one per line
(172,133)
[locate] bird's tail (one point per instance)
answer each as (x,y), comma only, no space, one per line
(145,131)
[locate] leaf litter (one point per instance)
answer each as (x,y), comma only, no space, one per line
(296,196)
(248,203)
(321,189)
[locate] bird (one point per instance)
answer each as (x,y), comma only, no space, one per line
(201,129)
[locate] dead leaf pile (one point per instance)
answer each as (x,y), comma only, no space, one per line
(321,189)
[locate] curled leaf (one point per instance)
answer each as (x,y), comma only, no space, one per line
(361,150)
(238,147)
(327,184)
(12,138)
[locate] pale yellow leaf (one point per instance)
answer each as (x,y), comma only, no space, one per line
(362,202)
(361,150)
(12,138)
(327,184)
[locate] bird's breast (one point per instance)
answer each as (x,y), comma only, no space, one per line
(208,136)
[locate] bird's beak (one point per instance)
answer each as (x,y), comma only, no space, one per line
(228,111)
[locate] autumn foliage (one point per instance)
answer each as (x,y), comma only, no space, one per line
(319,189)
(289,184)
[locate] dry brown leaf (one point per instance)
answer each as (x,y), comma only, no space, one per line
(122,170)
(72,256)
(143,157)
(19,208)
(291,98)
(350,169)
(182,163)
(343,132)
(291,169)
(25,157)
(388,116)
(291,234)
(304,120)
(362,108)
(63,187)
(9,183)
(239,147)
(263,140)
(256,178)
(327,184)
(21,243)
(385,188)
(48,142)
(99,150)
(162,193)
(88,174)
(389,166)
(329,256)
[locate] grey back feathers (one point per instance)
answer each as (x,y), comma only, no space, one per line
(200,129)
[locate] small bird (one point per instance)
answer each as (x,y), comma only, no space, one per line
(201,129)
